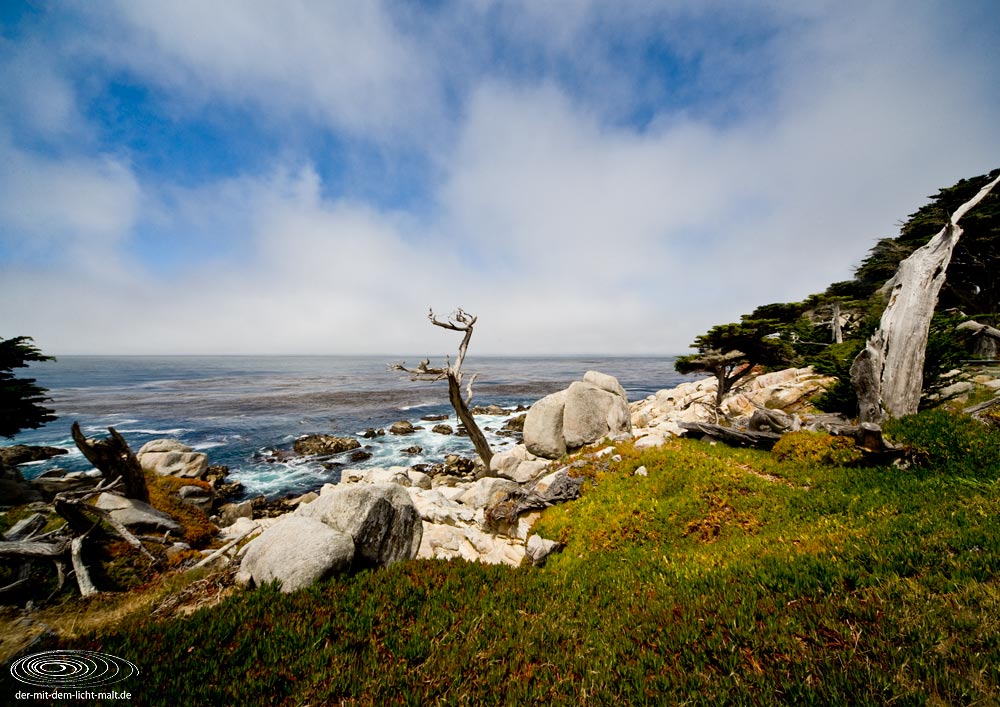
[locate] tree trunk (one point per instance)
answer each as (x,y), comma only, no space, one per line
(838,332)
(888,374)
(469,420)
(115,460)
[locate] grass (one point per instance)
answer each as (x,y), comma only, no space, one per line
(723,577)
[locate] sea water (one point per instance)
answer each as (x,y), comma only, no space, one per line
(239,408)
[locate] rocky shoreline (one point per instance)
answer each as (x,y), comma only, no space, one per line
(456,509)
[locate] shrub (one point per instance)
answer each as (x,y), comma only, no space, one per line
(816,448)
(949,443)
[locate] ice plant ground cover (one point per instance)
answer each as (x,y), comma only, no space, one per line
(720,576)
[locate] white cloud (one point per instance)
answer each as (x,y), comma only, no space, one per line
(563,227)
(343,64)
(75,207)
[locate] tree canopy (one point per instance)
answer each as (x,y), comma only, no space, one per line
(20,398)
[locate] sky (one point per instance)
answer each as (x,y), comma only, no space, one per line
(299,177)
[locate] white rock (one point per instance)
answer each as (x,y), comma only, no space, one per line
(381,518)
(484,491)
(537,549)
(543,426)
(297,552)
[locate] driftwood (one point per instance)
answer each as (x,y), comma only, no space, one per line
(731,436)
(31,548)
(83,581)
(462,322)
(115,460)
(888,373)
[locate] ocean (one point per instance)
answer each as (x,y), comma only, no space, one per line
(237,408)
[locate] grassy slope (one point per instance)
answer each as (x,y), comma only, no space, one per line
(703,583)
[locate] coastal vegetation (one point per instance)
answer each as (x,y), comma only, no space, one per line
(719,576)
(827,330)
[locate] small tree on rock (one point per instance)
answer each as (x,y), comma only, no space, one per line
(452,372)
(731,351)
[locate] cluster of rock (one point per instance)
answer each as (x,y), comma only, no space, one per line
(661,415)
(587,411)
(461,511)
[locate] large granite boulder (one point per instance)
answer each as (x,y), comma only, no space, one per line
(584,413)
(170,457)
(381,518)
(518,464)
(543,426)
(296,551)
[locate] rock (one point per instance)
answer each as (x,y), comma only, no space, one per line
(381,518)
(163,445)
(518,464)
(196,496)
(435,507)
(360,456)
(605,382)
(296,551)
(489,410)
(317,445)
(242,526)
(586,412)
(371,433)
(419,479)
(515,424)
(592,413)
(375,475)
(169,457)
(230,512)
(434,418)
(175,550)
(486,490)
(22,454)
(557,487)
(650,441)
(401,428)
(641,471)
(412,450)
(957,389)
(459,466)
(442,429)
(132,513)
(543,426)
(764,420)
(537,549)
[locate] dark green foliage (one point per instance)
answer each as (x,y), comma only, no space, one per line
(20,399)
(835,360)
(701,584)
(731,351)
(945,351)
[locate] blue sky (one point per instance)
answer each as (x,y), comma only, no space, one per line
(311,177)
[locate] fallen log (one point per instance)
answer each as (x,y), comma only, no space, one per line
(31,548)
(733,437)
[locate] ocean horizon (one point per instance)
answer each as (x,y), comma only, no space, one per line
(239,408)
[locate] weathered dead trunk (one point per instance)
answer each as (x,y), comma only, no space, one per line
(115,460)
(463,322)
(838,331)
(731,436)
(888,373)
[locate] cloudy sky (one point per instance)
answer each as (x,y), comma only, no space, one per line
(251,176)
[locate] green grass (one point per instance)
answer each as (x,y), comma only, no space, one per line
(723,577)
